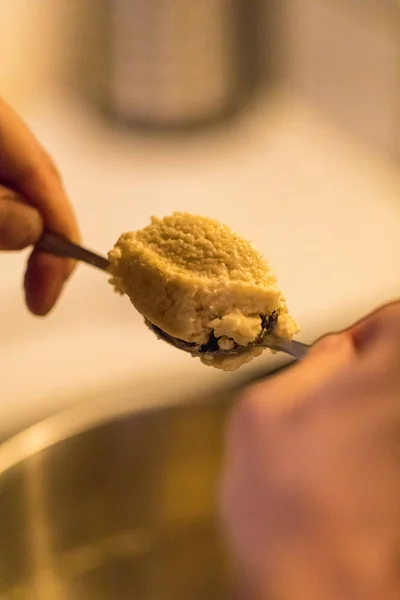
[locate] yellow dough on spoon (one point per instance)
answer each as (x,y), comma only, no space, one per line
(194,278)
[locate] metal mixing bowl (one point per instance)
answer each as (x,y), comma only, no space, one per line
(116,500)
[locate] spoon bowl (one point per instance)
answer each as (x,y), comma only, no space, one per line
(296,349)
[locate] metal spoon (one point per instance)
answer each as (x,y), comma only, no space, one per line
(296,349)
(60,246)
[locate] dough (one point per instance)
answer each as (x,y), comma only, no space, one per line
(200,282)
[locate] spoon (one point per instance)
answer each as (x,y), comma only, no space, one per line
(296,349)
(60,246)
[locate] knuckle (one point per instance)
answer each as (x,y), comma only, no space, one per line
(330,354)
(20,224)
(382,326)
(40,174)
(332,342)
(390,316)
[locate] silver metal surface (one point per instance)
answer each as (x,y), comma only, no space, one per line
(292,347)
(60,246)
(113,504)
(170,64)
(175,62)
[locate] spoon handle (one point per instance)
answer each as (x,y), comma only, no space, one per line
(296,349)
(60,246)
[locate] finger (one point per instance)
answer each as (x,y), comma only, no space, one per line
(255,431)
(330,353)
(288,390)
(382,323)
(44,280)
(26,168)
(46,275)
(20,224)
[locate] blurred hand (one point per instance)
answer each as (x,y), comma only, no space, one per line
(311,493)
(32,197)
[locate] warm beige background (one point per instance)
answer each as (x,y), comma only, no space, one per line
(344,56)
(322,206)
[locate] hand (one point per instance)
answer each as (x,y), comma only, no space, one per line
(311,492)
(32,197)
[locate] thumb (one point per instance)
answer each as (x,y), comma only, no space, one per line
(20,224)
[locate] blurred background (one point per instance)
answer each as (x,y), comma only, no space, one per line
(279,117)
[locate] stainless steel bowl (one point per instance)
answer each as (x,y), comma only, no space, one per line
(116,500)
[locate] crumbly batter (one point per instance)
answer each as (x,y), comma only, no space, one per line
(197,280)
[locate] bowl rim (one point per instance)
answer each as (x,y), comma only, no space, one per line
(167,390)
(170,389)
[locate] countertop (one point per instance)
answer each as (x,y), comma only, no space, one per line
(323,209)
